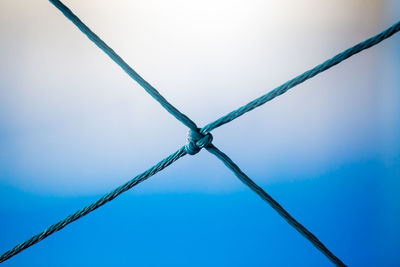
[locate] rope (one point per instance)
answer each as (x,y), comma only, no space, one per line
(117,59)
(275,205)
(303,77)
(100,202)
(196,141)
(198,138)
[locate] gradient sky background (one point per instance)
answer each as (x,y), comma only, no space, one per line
(73,126)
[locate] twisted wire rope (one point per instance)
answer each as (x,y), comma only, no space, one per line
(200,138)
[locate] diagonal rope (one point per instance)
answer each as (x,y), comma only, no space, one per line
(303,77)
(275,205)
(117,59)
(100,202)
(197,139)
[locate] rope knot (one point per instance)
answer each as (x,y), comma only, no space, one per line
(196,141)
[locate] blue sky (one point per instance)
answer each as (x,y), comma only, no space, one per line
(73,126)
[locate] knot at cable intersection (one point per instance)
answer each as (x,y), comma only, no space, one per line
(196,141)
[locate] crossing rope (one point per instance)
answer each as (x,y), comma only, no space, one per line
(275,205)
(303,77)
(200,138)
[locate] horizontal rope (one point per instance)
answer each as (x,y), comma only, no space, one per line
(275,205)
(302,78)
(117,59)
(103,200)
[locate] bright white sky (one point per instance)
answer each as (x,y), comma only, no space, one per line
(69,116)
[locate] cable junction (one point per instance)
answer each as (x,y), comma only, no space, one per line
(200,138)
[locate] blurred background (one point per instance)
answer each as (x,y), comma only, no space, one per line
(73,126)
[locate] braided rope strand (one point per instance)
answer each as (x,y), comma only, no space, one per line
(303,77)
(117,59)
(100,202)
(275,205)
(197,139)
